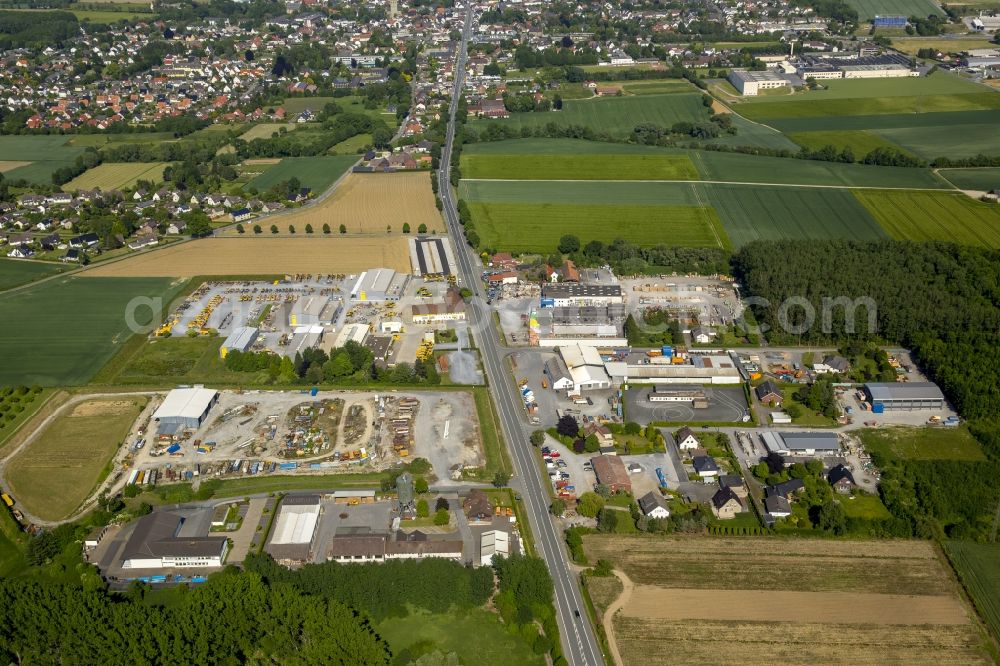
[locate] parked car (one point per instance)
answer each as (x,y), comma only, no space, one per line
(561,463)
(546,449)
(564,475)
(554,454)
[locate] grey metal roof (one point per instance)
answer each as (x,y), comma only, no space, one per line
(817,441)
(904,391)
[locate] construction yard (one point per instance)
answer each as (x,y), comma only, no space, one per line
(264,256)
(723,601)
(329,432)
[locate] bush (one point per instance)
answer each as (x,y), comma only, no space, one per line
(441,517)
(423,509)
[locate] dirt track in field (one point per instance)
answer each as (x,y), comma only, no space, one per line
(264,256)
(649,601)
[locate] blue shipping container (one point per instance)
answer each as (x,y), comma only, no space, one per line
(548,302)
(314,466)
(314,391)
(878,408)
(667,350)
(288,465)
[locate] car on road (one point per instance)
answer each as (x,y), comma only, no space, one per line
(588,466)
(576,613)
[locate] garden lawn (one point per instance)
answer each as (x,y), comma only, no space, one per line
(60,332)
(866,507)
(14,272)
(520,227)
(984,179)
(578,167)
(751,213)
(737,167)
(615,115)
(925,216)
(475,636)
(938,443)
(316,173)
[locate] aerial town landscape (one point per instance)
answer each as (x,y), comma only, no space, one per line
(440,332)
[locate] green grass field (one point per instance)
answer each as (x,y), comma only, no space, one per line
(317,173)
(578,167)
(737,167)
(61,468)
(520,227)
(751,213)
(861,142)
(15,272)
(352,146)
(59,333)
(867,507)
(658,87)
(169,361)
(910,45)
(937,84)
(869,9)
(99,16)
(114,176)
(580,193)
(947,141)
(923,443)
(924,216)
(533,147)
(45,152)
(104,139)
(955,121)
(869,106)
(616,115)
(984,179)
(475,637)
(749,133)
(978,566)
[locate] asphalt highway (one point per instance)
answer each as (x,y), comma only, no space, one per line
(579,642)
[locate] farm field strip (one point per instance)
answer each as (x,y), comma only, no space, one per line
(575,167)
(15,272)
(116,175)
(616,115)
(707,642)
(978,566)
(869,9)
(775,212)
(650,601)
(264,256)
(822,108)
(533,147)
(579,192)
(36,348)
(981,179)
(947,119)
(316,173)
(10,165)
(537,227)
(861,142)
(56,472)
(944,141)
(367,203)
(922,216)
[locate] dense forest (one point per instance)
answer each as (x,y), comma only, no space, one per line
(320,614)
(943,302)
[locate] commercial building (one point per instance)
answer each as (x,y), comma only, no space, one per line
(303,338)
(686,394)
(564,294)
(239,340)
(155,544)
(750,84)
(186,408)
(586,367)
(801,443)
(348,548)
(313,311)
(697,370)
(294,529)
(451,309)
(610,470)
(379,285)
(355,332)
(493,542)
(432,256)
(558,374)
(904,395)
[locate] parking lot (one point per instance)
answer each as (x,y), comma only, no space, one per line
(724,404)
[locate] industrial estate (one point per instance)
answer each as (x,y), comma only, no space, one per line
(490,333)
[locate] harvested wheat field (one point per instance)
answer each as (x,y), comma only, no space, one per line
(10,165)
(366,202)
(718,601)
(667,643)
(888,567)
(264,256)
(651,601)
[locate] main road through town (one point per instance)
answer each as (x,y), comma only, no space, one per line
(579,642)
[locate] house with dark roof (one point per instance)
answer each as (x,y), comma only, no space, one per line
(769,394)
(777,506)
(687,440)
(155,544)
(706,467)
(841,479)
(477,507)
(786,488)
(725,504)
(654,505)
(610,470)
(735,483)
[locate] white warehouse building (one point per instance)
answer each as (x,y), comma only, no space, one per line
(751,83)
(186,407)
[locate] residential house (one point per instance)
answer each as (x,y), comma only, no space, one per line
(604,436)
(706,467)
(176,227)
(786,488)
(832,364)
(687,440)
(735,483)
(145,240)
(21,252)
(503,261)
(70,256)
(841,479)
(84,241)
(610,470)
(769,394)
(702,335)
(477,507)
(241,215)
(725,504)
(777,506)
(654,505)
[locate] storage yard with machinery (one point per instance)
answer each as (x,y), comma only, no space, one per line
(262,432)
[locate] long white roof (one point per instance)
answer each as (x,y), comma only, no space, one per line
(296,524)
(186,402)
